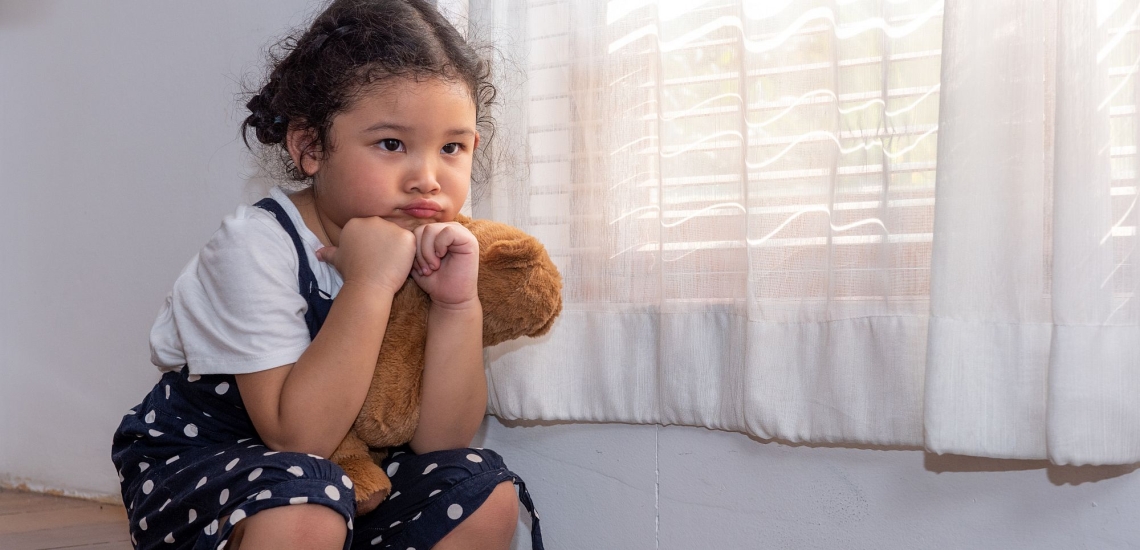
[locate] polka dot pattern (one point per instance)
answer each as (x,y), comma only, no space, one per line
(236,476)
(237,516)
(455,511)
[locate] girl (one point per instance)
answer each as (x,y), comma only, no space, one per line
(376,107)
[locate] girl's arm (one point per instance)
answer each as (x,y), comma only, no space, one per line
(310,405)
(454,394)
(454,391)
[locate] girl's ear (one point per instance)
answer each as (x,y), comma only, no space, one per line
(475,145)
(303,150)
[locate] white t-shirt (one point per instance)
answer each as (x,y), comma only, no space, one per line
(236,307)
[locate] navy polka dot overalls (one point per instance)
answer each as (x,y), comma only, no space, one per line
(188,456)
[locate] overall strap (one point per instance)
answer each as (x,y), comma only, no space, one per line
(319,302)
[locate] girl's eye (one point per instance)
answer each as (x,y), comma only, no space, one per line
(450,149)
(391,145)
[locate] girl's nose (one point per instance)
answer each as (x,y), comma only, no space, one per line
(421,178)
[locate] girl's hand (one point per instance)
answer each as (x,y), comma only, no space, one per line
(374,252)
(447,263)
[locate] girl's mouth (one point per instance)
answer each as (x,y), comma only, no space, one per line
(422,208)
(421,212)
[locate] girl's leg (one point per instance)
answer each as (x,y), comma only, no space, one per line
(489,527)
(301,527)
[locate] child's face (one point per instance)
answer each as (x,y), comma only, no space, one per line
(402,152)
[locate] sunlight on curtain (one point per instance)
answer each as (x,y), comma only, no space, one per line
(1035,335)
(740,197)
(1093,411)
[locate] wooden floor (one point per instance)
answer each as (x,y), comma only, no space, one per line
(32,521)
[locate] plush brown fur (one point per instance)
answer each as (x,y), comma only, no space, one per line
(521,293)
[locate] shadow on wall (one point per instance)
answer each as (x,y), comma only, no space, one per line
(935,463)
(1058,475)
(14,13)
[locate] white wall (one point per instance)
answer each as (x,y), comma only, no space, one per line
(119,155)
(118,158)
(678,488)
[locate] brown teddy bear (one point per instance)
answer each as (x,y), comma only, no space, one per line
(521,293)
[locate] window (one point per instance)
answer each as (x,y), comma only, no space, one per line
(732,152)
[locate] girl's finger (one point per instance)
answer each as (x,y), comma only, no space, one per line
(443,242)
(326,254)
(422,237)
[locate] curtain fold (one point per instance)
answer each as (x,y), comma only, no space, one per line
(1093,415)
(849,221)
(990,320)
(1034,340)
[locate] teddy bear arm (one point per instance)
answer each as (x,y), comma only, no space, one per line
(520,289)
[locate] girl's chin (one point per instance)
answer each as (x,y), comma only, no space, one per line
(408,223)
(411,223)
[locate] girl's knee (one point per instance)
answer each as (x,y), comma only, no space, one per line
(492,525)
(294,526)
(498,515)
(502,505)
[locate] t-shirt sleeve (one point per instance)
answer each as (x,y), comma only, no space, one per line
(237,309)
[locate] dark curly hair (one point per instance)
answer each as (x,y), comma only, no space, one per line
(352,46)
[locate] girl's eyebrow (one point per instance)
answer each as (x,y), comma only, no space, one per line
(387,126)
(407,129)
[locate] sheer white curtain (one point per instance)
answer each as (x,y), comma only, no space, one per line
(1034,336)
(742,199)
